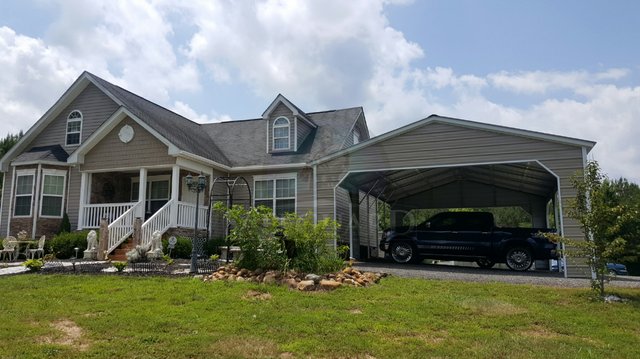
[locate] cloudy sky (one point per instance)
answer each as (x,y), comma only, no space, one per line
(565,67)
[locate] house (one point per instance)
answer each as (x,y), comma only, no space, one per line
(104,152)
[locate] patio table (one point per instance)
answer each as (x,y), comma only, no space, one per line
(23,248)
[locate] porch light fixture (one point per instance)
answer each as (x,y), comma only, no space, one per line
(195,186)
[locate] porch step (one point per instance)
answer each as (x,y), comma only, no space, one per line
(120,253)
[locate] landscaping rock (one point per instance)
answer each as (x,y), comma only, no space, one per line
(295,280)
(329,284)
(306,285)
(314,277)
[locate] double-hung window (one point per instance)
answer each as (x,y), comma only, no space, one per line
(53,185)
(23,193)
(276,192)
(74,128)
(281,128)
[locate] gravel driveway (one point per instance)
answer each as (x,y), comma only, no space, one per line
(475,274)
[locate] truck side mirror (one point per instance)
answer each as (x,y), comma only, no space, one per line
(427,225)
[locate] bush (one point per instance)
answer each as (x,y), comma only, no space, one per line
(62,245)
(34,265)
(254,230)
(65,224)
(181,250)
(312,252)
(120,266)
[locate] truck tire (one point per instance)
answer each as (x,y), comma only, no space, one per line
(403,252)
(485,263)
(519,259)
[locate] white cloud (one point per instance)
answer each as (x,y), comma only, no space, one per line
(326,54)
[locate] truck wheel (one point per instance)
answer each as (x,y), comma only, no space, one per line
(403,252)
(519,258)
(485,263)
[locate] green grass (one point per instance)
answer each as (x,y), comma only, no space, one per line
(136,317)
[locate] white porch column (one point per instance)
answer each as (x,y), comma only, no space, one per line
(175,190)
(142,193)
(84,185)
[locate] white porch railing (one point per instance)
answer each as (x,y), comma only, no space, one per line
(160,221)
(187,215)
(122,227)
(93,213)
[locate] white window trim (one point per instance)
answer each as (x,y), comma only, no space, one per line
(53,172)
(67,133)
(273,132)
(29,172)
(274,177)
(356,137)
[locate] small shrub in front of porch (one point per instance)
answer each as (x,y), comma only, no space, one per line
(63,245)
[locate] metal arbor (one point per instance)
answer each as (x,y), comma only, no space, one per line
(230,184)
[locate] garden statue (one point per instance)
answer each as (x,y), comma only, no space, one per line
(155,252)
(92,246)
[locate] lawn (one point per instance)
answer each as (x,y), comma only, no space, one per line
(77,316)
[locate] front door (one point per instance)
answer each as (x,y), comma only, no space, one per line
(158,193)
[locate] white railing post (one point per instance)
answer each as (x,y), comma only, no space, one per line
(83,199)
(142,193)
(175,190)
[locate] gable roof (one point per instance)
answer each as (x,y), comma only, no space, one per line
(462,123)
(296,111)
(185,134)
(244,141)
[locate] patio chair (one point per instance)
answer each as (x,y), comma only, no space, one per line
(38,252)
(9,245)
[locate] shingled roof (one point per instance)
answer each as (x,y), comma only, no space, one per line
(53,153)
(245,143)
(182,132)
(236,143)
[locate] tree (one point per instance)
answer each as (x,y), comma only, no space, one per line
(5,145)
(603,221)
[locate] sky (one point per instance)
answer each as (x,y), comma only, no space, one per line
(570,68)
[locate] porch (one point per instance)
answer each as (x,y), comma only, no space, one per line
(158,196)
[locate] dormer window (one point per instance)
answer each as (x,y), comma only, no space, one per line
(74,128)
(281,134)
(356,137)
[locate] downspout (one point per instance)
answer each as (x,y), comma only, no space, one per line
(315,194)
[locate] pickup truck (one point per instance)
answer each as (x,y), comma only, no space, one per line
(468,236)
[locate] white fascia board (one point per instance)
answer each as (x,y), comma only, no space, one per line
(457,122)
(201,160)
(269,167)
(67,97)
(48,163)
(290,106)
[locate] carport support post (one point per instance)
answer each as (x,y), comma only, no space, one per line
(354,230)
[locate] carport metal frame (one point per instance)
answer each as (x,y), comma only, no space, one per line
(558,190)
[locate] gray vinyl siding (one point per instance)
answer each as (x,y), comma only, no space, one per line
(6,198)
(281,111)
(368,224)
(73,195)
(96,107)
(303,129)
(343,217)
(143,150)
(304,187)
(438,144)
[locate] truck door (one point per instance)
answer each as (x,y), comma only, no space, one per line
(472,237)
(433,235)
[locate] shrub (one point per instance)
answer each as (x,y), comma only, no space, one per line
(254,230)
(34,265)
(120,266)
(62,245)
(181,250)
(65,224)
(312,252)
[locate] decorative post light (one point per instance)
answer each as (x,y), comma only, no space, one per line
(197,187)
